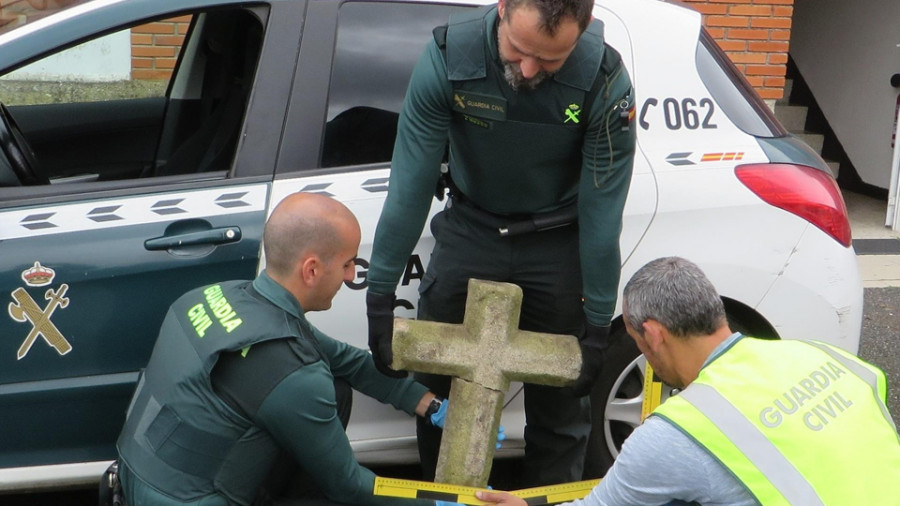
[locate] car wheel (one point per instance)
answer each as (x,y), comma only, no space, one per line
(615,403)
(617,398)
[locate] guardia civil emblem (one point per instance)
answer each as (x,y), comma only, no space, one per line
(460,101)
(26,309)
(572,112)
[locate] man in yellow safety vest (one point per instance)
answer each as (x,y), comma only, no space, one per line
(756,422)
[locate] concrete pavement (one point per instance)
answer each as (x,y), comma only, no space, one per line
(877,247)
(878,252)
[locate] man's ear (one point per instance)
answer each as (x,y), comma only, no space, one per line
(501,8)
(654,334)
(310,270)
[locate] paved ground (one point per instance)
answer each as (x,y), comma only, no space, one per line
(878,250)
(880,343)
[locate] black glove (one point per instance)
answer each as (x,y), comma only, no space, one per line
(380,311)
(594,342)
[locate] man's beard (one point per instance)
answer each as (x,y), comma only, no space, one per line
(514,77)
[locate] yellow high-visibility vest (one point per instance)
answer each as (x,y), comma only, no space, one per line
(797,422)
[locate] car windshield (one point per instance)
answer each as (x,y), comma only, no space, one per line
(17,13)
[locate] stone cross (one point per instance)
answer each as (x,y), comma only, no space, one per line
(482,355)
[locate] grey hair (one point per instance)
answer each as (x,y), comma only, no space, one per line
(676,293)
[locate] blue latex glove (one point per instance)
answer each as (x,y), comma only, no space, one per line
(438,418)
(501,436)
(446,503)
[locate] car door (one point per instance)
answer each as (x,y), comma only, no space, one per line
(360,56)
(91,262)
(354,66)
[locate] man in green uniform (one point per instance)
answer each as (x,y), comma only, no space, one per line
(537,112)
(756,421)
(238,376)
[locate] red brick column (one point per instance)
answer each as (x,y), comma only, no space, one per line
(755,35)
(155,47)
(20,10)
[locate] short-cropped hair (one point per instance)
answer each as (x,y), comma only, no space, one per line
(676,293)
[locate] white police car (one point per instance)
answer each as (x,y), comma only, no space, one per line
(119,193)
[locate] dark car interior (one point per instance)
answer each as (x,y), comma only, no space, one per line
(193,128)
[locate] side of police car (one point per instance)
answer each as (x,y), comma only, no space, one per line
(110,208)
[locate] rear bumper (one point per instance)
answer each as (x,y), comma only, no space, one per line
(819,293)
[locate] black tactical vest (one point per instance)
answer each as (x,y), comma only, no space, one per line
(180,437)
(537,132)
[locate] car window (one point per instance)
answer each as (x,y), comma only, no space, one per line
(377,46)
(732,91)
(137,62)
(160,98)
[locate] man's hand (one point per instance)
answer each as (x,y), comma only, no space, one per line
(502,498)
(380,312)
(594,343)
(440,416)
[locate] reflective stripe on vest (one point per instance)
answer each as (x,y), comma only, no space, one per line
(753,443)
(879,388)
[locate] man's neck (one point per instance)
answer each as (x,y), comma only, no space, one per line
(698,350)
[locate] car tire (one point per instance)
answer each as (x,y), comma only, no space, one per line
(617,397)
(615,404)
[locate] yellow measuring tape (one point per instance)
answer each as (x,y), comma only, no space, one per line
(551,494)
(412,489)
(652,393)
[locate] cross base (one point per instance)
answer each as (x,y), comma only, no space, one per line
(467,456)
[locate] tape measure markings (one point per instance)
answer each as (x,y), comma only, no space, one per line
(553,494)
(412,489)
(652,393)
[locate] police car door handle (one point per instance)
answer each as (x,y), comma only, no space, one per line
(211,237)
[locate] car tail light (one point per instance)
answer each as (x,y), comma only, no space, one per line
(807,192)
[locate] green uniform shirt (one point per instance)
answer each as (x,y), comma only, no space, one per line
(598,177)
(300,412)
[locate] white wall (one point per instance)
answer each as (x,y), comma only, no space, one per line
(847,51)
(105,59)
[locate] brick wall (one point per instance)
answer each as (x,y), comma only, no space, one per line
(155,46)
(17,11)
(755,35)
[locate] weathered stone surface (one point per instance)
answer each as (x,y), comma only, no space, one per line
(470,434)
(483,355)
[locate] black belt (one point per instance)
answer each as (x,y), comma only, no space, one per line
(518,224)
(543,221)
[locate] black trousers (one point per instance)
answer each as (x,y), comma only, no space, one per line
(546,266)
